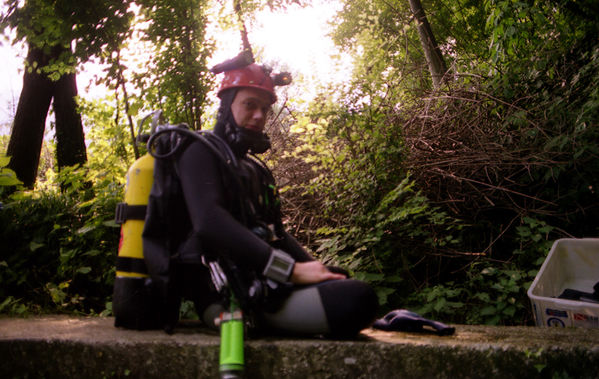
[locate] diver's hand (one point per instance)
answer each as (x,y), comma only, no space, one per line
(312,272)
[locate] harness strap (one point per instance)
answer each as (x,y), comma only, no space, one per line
(126,212)
(130,264)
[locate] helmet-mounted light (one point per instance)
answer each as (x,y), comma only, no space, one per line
(282,79)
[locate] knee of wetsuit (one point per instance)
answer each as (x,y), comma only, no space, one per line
(350,306)
(211,313)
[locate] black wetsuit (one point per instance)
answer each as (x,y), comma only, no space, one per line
(218,208)
(337,307)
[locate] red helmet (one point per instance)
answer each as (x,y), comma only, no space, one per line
(253,75)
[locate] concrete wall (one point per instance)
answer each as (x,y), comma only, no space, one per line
(67,347)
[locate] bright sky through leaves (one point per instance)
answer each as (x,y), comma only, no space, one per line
(295,40)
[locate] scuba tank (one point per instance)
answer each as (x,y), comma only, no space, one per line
(141,299)
(134,305)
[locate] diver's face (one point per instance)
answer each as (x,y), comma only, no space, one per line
(251,107)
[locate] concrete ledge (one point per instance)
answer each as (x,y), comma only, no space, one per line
(67,347)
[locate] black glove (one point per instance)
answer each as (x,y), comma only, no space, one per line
(405,321)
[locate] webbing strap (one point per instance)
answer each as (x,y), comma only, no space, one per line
(126,212)
(129,264)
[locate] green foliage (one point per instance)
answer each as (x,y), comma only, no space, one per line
(491,292)
(525,31)
(448,202)
(187,311)
(13,306)
(111,154)
(491,295)
(386,42)
(376,223)
(8,178)
(60,241)
(177,80)
(382,246)
(96,27)
(549,71)
(59,246)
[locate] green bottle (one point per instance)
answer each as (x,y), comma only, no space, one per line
(231,362)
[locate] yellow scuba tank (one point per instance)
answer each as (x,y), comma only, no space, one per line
(141,300)
(137,192)
(133,303)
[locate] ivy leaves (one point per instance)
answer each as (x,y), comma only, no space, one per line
(8,177)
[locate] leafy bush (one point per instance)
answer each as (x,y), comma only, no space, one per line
(59,247)
(66,262)
(491,292)
(488,296)
(384,247)
(8,177)
(372,220)
(59,242)
(448,201)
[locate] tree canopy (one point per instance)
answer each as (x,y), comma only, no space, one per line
(94,28)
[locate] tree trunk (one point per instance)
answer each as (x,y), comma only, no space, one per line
(27,133)
(28,127)
(70,141)
(434,58)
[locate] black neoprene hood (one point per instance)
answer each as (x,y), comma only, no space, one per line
(241,140)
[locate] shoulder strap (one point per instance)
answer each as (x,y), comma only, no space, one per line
(263,167)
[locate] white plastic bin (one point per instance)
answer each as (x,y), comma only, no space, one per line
(573,264)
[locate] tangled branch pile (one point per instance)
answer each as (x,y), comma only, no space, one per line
(300,210)
(461,158)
